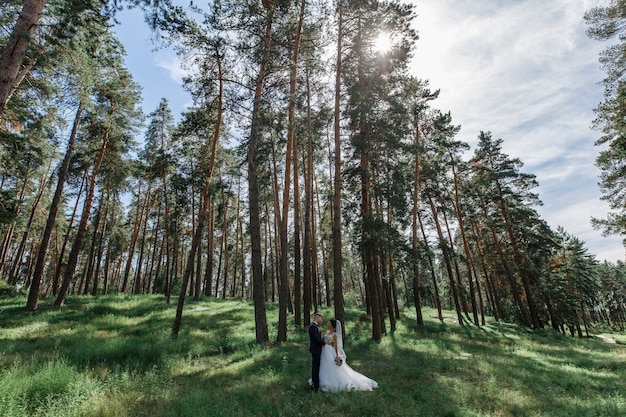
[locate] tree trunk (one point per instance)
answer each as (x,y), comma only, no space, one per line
(446,257)
(414,229)
(101,245)
(208,274)
(8,237)
(258,294)
(13,275)
(431,264)
(82,226)
(143,222)
(204,207)
(517,256)
(133,240)
(337,249)
(14,51)
(466,248)
(507,270)
(308,207)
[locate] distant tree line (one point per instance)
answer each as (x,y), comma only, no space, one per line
(310,170)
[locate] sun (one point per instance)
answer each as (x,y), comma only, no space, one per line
(382,43)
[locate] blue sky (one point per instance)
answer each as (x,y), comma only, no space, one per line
(522,69)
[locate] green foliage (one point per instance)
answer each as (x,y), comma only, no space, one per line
(112,356)
(6,290)
(8,207)
(607,23)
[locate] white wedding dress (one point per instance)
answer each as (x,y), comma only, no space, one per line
(340,378)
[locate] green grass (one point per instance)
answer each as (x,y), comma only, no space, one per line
(113,356)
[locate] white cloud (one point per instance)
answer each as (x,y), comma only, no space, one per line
(527,72)
(171,63)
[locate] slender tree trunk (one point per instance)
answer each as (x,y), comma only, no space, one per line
(509,274)
(317,285)
(66,239)
(14,51)
(308,206)
(337,245)
(13,275)
(84,287)
(139,211)
(208,275)
(466,248)
(446,257)
(517,256)
(297,276)
(490,288)
(143,222)
(454,261)
(8,237)
(414,229)
(233,287)
(253,189)
(101,245)
(82,226)
(431,265)
(204,207)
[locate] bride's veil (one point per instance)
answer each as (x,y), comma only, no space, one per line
(339,333)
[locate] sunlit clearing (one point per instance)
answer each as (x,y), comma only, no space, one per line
(382,43)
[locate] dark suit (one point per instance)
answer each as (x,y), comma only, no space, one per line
(315,347)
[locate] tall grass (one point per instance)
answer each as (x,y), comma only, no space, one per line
(113,356)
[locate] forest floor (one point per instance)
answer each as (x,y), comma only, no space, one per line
(113,356)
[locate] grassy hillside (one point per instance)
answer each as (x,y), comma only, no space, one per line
(113,356)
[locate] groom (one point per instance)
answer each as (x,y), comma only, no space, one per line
(315,347)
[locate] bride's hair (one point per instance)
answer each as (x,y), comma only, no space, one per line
(333,322)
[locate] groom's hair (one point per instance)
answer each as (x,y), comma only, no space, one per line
(317,314)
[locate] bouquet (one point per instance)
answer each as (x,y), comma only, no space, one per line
(338,360)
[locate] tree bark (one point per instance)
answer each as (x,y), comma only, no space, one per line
(253,190)
(337,245)
(82,226)
(14,51)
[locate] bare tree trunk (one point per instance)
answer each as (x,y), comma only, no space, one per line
(317,285)
(8,237)
(454,260)
(466,248)
(133,240)
(66,239)
(518,258)
(233,287)
(308,208)
(101,245)
(446,257)
(31,304)
(337,248)
(13,275)
(208,275)
(414,229)
(432,269)
(297,277)
(14,51)
(509,274)
(204,206)
(143,222)
(82,226)
(253,189)
(84,286)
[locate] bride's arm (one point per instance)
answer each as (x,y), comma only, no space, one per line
(335,344)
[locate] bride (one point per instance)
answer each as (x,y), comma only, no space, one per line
(335,373)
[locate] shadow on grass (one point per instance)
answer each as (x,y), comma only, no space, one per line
(215,366)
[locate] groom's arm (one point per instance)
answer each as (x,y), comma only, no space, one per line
(315,336)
